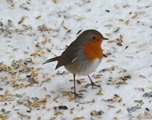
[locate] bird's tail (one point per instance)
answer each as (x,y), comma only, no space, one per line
(51,60)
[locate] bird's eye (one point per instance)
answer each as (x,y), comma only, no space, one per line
(93,37)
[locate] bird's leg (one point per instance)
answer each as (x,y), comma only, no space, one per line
(92,83)
(75,92)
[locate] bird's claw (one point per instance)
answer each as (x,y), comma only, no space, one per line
(93,85)
(76,95)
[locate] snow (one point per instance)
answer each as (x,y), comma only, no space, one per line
(41,29)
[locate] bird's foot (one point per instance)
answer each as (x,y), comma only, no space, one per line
(93,85)
(76,95)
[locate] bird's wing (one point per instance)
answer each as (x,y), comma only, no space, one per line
(70,55)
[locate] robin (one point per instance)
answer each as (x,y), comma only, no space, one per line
(82,56)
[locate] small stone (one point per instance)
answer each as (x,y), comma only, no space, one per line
(147,109)
(28,111)
(116,29)
(1,24)
(47,49)
(55,108)
(1,88)
(100,112)
(3,110)
(94,113)
(63,107)
(18,95)
(148,94)
(107,11)
(28,76)
(19,101)
(28,60)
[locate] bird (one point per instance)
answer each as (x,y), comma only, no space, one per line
(82,56)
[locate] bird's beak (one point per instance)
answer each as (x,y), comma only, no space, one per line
(105,38)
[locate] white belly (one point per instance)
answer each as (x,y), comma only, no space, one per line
(83,68)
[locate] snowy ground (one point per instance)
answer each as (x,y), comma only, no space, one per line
(31,31)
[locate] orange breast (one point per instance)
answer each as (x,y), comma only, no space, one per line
(92,50)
